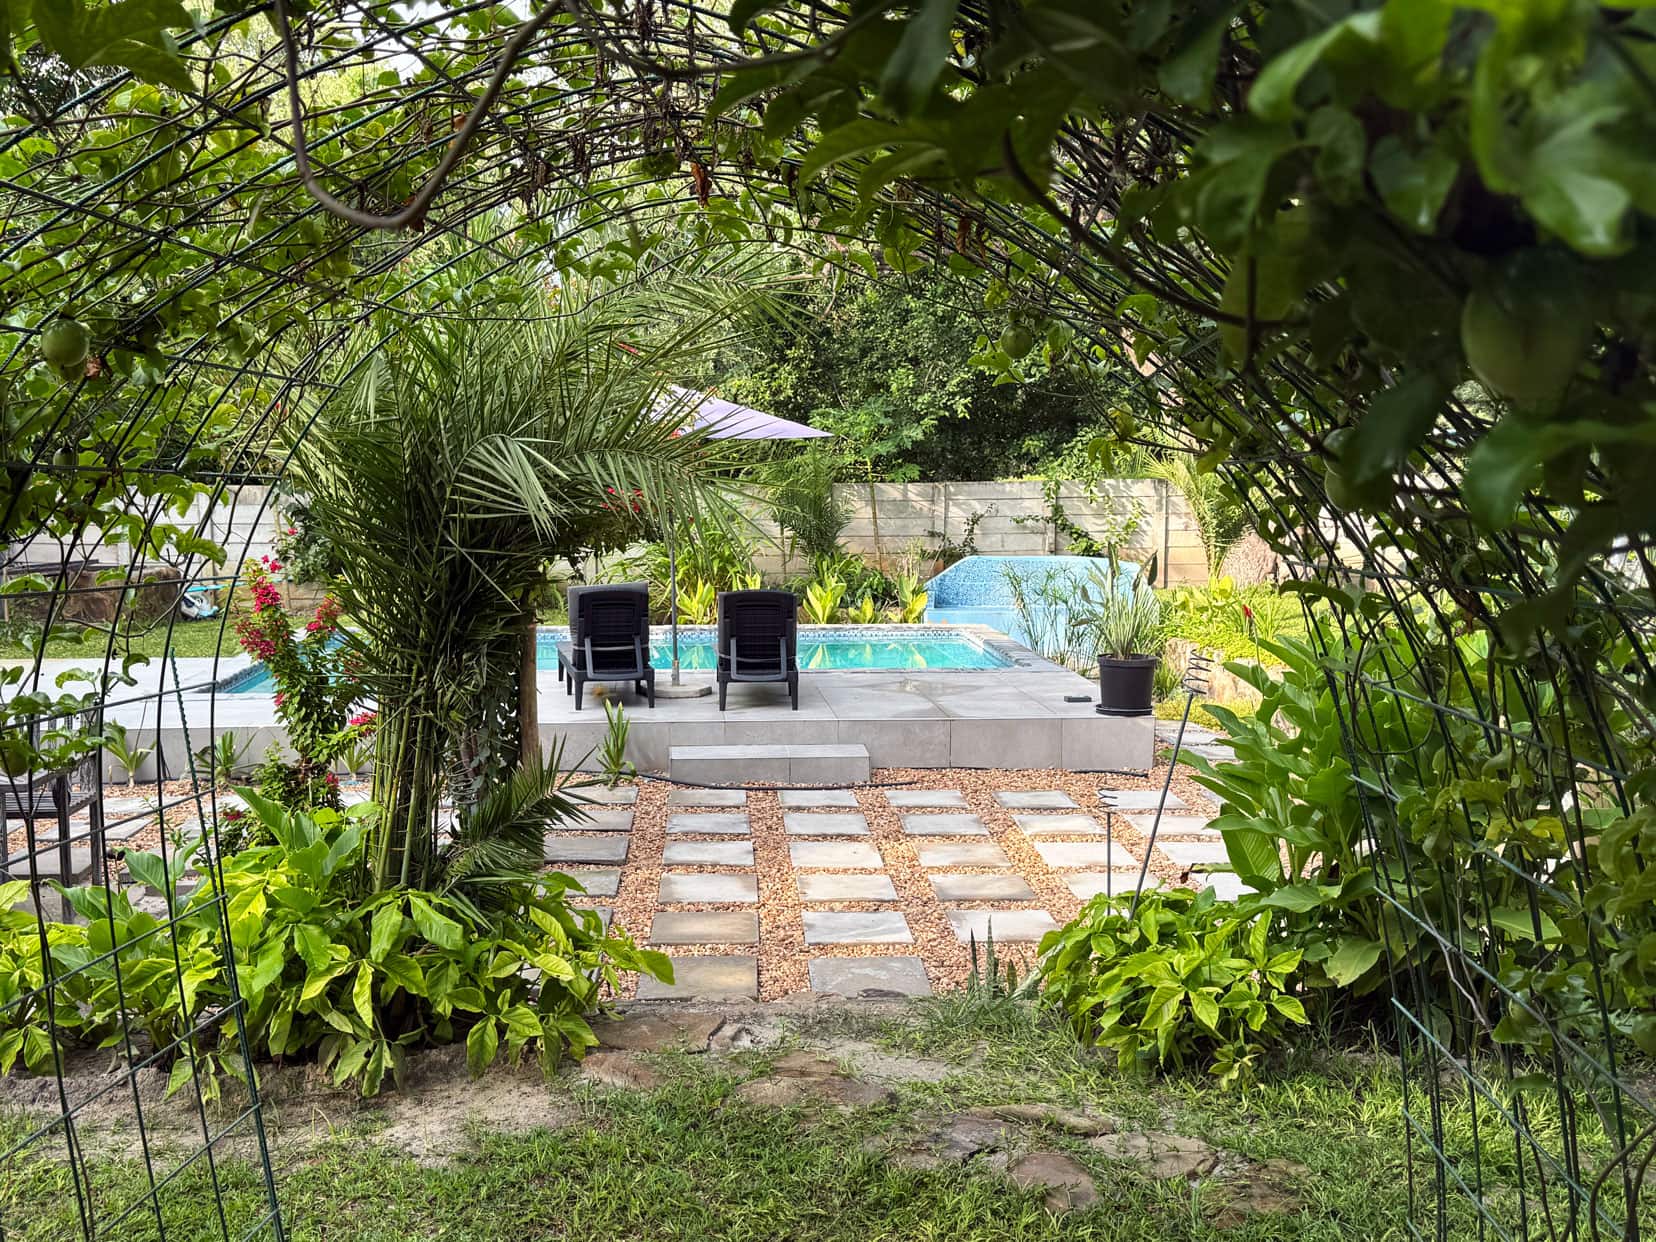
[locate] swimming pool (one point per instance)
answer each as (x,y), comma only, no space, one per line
(821,647)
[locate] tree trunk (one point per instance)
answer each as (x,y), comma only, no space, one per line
(528,695)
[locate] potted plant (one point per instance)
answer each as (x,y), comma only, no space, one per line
(1127,621)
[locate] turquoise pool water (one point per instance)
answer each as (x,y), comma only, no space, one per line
(820,647)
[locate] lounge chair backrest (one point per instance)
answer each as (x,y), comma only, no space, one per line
(609,620)
(763,624)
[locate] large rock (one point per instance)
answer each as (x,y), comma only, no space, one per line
(1065,1180)
(650,1032)
(624,1070)
(949,1140)
(1166,1156)
(805,1078)
(1085,1124)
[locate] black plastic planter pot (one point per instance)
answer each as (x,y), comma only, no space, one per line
(1126,686)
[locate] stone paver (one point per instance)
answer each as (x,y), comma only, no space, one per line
(707,797)
(598,882)
(1007,926)
(792,799)
(610,849)
(1035,800)
(863,887)
(1088,884)
(621,795)
(716,823)
(1060,826)
(735,975)
(1092,855)
(708,854)
(1138,799)
(944,826)
(963,854)
(742,890)
(838,927)
(1195,853)
(982,888)
(852,976)
(1226,884)
(705,927)
(603,821)
(902,799)
(824,824)
(1177,826)
(835,855)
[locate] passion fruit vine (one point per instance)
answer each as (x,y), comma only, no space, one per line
(1526,329)
(65,343)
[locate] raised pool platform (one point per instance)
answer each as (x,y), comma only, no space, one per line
(974,591)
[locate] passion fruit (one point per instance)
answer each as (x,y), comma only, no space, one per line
(1015,342)
(65,343)
(1526,329)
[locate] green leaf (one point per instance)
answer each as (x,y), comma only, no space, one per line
(1394,425)
(387,934)
(1272,94)
(1254,854)
(1187,75)
(914,67)
(1412,184)
(1299,898)
(362,994)
(438,928)
(1518,923)
(1351,959)
(482,1041)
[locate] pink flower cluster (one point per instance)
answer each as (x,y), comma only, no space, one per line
(326,620)
(365,718)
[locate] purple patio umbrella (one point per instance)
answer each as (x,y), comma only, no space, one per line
(720,420)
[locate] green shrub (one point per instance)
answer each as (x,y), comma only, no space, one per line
(322,971)
(1231,620)
(1187,979)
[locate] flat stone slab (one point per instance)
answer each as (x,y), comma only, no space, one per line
(598,882)
(1060,826)
(1035,800)
(824,824)
(621,795)
(1138,799)
(707,797)
(742,890)
(853,976)
(1177,826)
(791,798)
(963,854)
(705,927)
(1088,884)
(708,854)
(716,823)
(835,855)
(944,826)
(982,888)
(1195,853)
(610,849)
(736,975)
(838,927)
(1007,926)
(1227,885)
(829,887)
(602,821)
(905,798)
(1088,855)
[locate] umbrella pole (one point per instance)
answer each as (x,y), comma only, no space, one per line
(672,594)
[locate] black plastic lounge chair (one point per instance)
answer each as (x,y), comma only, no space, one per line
(758,639)
(610,638)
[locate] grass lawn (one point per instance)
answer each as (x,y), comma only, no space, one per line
(688,1160)
(189,638)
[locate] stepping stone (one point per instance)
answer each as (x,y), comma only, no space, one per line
(1091,855)
(120,808)
(902,799)
(705,927)
(1227,885)
(1036,800)
(1060,826)
(1088,884)
(827,824)
(835,855)
(1008,926)
(125,832)
(828,887)
(835,927)
(719,823)
(817,797)
(740,890)
(610,849)
(736,975)
(982,888)
(1138,799)
(621,795)
(964,854)
(944,826)
(707,797)
(853,976)
(602,821)
(1177,826)
(601,882)
(1195,853)
(708,854)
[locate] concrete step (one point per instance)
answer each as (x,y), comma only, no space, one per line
(789,765)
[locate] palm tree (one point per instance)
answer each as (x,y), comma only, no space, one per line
(447,464)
